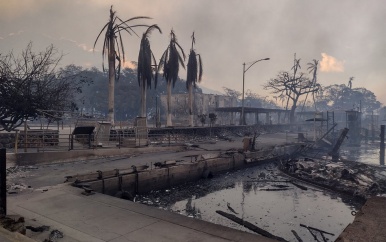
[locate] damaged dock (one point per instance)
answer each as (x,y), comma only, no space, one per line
(104,218)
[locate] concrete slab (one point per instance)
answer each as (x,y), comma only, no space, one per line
(103,218)
(369,223)
(178,233)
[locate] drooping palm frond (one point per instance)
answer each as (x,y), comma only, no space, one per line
(113,49)
(194,72)
(296,65)
(145,67)
(191,77)
(145,59)
(201,71)
(171,59)
(112,32)
(155,69)
(313,67)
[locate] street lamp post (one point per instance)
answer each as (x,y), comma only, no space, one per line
(242,118)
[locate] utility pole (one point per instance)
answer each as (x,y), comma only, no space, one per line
(382,146)
(242,116)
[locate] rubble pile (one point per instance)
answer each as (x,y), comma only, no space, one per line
(354,178)
(15,178)
(13,224)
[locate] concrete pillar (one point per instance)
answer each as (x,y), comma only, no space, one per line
(232,121)
(278,117)
(267,118)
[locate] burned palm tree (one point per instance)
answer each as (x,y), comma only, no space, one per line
(145,67)
(312,68)
(194,74)
(113,49)
(170,62)
(295,67)
(350,82)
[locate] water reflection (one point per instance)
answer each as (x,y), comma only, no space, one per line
(368,153)
(259,201)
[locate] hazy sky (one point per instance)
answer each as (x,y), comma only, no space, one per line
(347,36)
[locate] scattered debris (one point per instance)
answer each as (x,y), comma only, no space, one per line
(274,189)
(87,190)
(54,236)
(13,224)
(297,236)
(280,186)
(38,229)
(321,232)
(166,163)
(350,177)
(299,186)
(249,225)
(231,209)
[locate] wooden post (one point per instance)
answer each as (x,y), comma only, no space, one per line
(72,141)
(3,180)
(372,126)
(335,151)
(169,138)
(16,140)
(382,146)
(314,126)
(25,135)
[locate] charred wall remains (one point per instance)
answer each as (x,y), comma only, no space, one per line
(139,180)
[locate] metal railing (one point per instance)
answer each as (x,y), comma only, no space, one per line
(45,140)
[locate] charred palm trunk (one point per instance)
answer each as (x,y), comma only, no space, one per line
(292,114)
(293,108)
(190,99)
(169,113)
(111,59)
(143,98)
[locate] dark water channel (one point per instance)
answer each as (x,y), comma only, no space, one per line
(256,195)
(367,152)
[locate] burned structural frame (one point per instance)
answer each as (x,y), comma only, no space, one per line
(256,111)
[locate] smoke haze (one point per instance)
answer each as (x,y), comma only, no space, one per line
(347,36)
